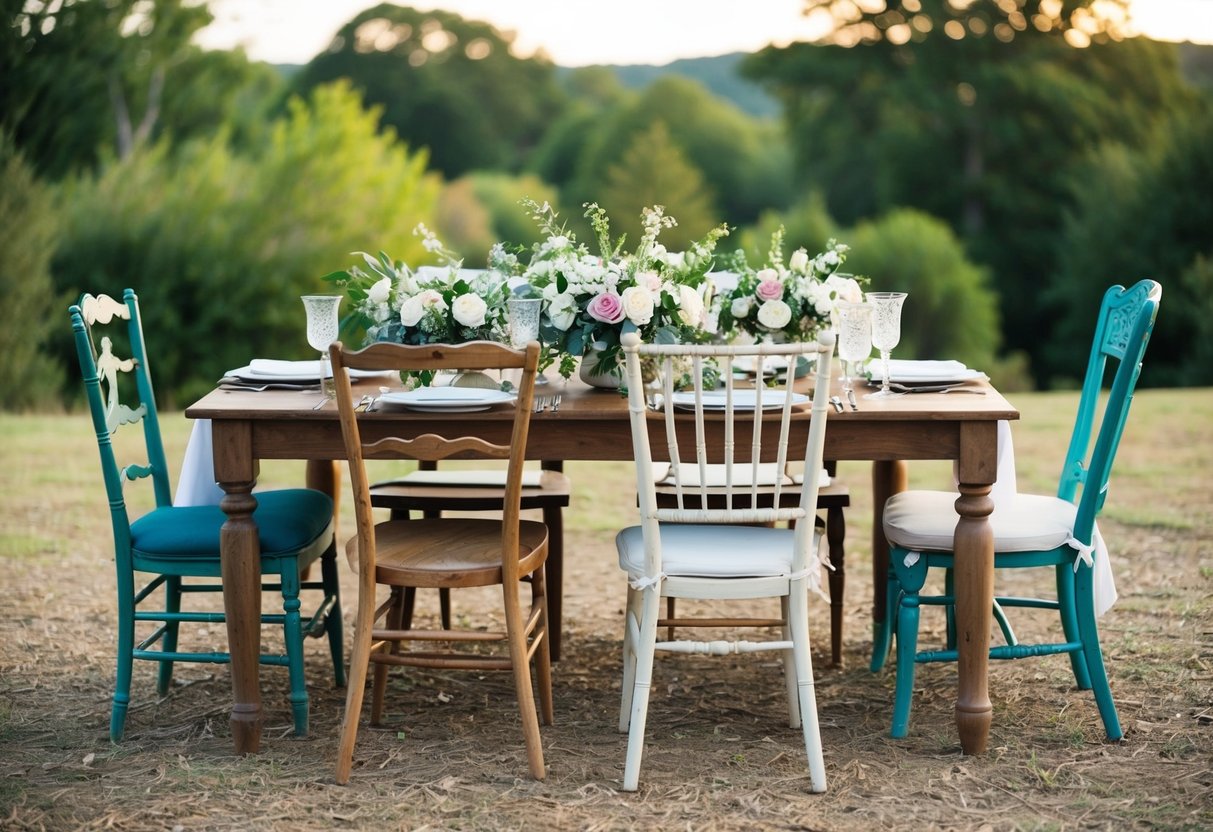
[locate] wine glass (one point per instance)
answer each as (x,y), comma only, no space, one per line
(322,328)
(854,338)
(523,321)
(886,333)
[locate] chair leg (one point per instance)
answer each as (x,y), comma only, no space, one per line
(543,655)
(798,609)
(126,650)
(356,686)
(333,623)
(395,615)
(906,613)
(1089,630)
(789,667)
(882,633)
(293,635)
(553,518)
(172,603)
(522,680)
(836,533)
(670,612)
(631,629)
(1069,623)
(646,638)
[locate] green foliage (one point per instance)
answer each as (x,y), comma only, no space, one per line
(482,208)
(29,377)
(806,224)
(951,311)
(653,171)
(219,245)
(1145,213)
(445,83)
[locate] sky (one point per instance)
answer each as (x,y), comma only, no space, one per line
(583,32)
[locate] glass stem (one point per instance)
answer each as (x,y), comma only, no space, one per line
(884,365)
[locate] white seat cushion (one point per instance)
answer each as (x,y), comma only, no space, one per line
(711,551)
(926,521)
(483,478)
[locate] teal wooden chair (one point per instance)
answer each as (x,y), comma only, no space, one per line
(1029,530)
(173,543)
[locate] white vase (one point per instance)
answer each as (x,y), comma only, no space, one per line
(594,373)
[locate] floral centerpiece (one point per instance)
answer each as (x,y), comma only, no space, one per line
(391,302)
(590,300)
(786,302)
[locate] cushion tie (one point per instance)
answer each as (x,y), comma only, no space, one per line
(645,583)
(1084,551)
(911,558)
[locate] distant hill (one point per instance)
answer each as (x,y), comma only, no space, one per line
(718,74)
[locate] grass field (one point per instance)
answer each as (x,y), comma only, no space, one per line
(720,753)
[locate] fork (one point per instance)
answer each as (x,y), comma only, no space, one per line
(556,403)
(541,403)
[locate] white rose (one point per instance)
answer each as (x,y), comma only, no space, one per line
(638,305)
(690,306)
(766,274)
(469,310)
(799,261)
(845,288)
(378,293)
(649,280)
(774,314)
(741,306)
(562,311)
(411,311)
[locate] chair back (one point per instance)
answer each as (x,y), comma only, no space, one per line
(1126,319)
(105,331)
(394,439)
(737,428)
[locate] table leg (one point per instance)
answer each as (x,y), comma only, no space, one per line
(973,546)
(240,565)
(888,478)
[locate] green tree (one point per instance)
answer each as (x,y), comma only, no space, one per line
(445,83)
(654,171)
(35,315)
(83,77)
(951,311)
(220,242)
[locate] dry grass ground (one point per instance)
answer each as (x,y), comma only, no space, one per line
(720,754)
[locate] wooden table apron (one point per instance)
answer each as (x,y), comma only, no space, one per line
(593,425)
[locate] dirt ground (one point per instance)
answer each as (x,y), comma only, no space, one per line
(719,755)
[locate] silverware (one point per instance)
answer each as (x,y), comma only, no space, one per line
(556,403)
(321,403)
(851,398)
(257,388)
(936,388)
(837,402)
(541,404)
(363,404)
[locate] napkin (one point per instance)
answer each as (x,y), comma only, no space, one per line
(905,367)
(276,367)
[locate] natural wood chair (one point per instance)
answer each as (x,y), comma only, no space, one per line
(728,553)
(444,553)
(179,543)
(429,492)
(1030,531)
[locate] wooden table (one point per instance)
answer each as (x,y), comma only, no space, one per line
(593,425)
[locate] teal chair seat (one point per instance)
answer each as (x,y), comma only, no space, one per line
(1056,532)
(288,521)
(178,545)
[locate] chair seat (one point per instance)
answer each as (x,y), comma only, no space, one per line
(926,521)
(288,521)
(711,551)
(449,553)
(469,490)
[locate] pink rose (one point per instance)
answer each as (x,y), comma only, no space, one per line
(607,307)
(769,289)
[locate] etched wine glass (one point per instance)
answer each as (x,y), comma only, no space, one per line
(854,338)
(322,328)
(886,333)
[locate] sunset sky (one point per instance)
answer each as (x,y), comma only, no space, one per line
(580,32)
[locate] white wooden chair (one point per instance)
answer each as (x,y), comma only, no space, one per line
(709,553)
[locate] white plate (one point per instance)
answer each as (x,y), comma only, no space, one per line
(742,400)
(288,376)
(771,364)
(448,399)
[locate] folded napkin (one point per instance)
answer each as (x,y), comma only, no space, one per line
(276,367)
(910,368)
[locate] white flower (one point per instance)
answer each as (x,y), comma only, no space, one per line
(562,310)
(774,314)
(378,293)
(638,305)
(649,280)
(690,306)
(766,274)
(469,310)
(845,289)
(799,261)
(413,308)
(741,306)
